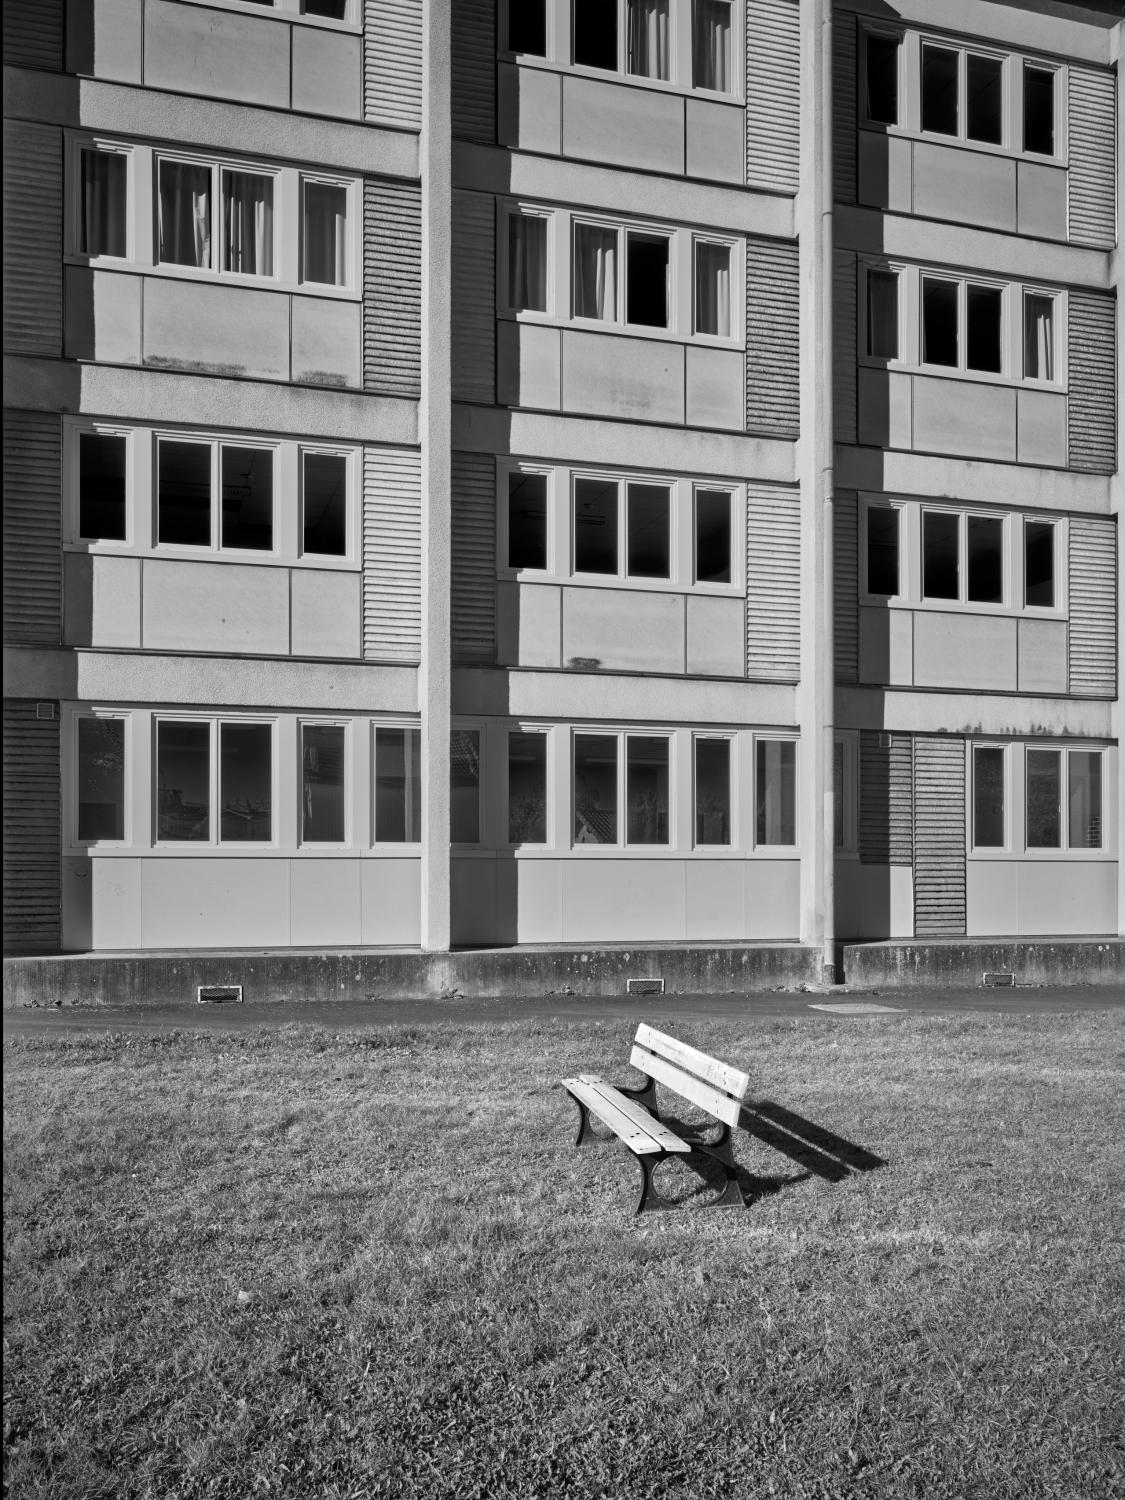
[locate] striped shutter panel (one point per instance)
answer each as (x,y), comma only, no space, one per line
(1092,403)
(474,557)
(773,582)
(392,555)
(392,62)
(845,336)
(32,527)
(773,94)
(33,226)
(33,34)
(845,86)
(474,297)
(32,830)
(1092,586)
(772,339)
(886,799)
(392,288)
(846,585)
(474,70)
(1092,179)
(939,836)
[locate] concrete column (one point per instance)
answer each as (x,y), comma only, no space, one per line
(435,422)
(1117,483)
(815,467)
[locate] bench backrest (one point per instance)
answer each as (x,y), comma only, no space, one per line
(703,1080)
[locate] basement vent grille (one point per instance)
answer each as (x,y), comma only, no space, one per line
(44,710)
(644,986)
(219,994)
(884,740)
(998,981)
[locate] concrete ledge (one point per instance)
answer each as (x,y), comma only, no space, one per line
(399,974)
(961,963)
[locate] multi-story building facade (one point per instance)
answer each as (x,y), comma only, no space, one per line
(542,472)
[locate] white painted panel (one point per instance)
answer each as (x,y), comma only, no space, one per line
(873,901)
(527,365)
(117,899)
(192,50)
(325,902)
(964,651)
(199,606)
(326,341)
(773,899)
(1067,897)
(391,895)
(103,600)
(1042,200)
(715,643)
(325,613)
(1042,656)
(327,73)
(629,127)
(715,901)
(883,408)
(610,376)
(617,900)
(530,109)
(964,418)
(209,903)
(621,630)
(76,892)
(529,624)
(540,900)
(964,187)
(1041,429)
(102,316)
(991,898)
(715,388)
(221,330)
(885,171)
(716,140)
(103,39)
(886,645)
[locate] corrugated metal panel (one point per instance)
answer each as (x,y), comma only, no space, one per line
(32,830)
(392,288)
(886,799)
(773,582)
(474,70)
(846,585)
(773,94)
(1092,405)
(32,527)
(392,555)
(844,353)
(844,89)
(939,836)
(33,197)
(474,297)
(33,34)
(1093,162)
(772,335)
(1092,586)
(392,62)
(474,557)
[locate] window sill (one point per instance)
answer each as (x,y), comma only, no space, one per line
(961,143)
(631,80)
(616,581)
(962,607)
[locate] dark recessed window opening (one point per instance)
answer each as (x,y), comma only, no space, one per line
(398,786)
(1044,795)
(775,792)
(527,788)
(101,486)
(245,780)
(983,320)
(1039,110)
(939,90)
(527,263)
(939,323)
(882,314)
(986,559)
(646,789)
(1039,564)
(247,512)
(647,537)
(183,781)
(184,494)
(940,555)
(712,792)
(646,273)
(325,504)
(595,34)
(527,27)
(105,187)
(988,797)
(322,770)
(595,526)
(527,520)
(712,536)
(101,779)
(595,789)
(882,550)
(985,99)
(333,10)
(1038,337)
(882,79)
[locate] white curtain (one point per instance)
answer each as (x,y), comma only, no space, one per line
(712,289)
(326,233)
(185,214)
(1038,338)
(527,263)
(595,272)
(248,211)
(104,190)
(648,38)
(710,45)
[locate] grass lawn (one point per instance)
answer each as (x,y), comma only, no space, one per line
(370,1263)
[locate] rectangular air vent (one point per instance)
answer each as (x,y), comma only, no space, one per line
(44,710)
(998,981)
(219,994)
(644,986)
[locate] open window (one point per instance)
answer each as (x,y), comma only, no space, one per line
(103,212)
(1039,89)
(712,289)
(103,513)
(527,520)
(882,552)
(881,53)
(527,262)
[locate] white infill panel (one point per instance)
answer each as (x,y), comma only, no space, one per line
(636,1127)
(392,62)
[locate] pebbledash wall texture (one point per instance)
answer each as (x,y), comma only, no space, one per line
(482,473)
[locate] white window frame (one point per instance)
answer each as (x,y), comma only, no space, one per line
(728,243)
(389,848)
(518,209)
(880,361)
(963,51)
(623,482)
(1008,809)
(963,284)
(963,515)
(505,471)
(353,485)
(71,716)
(75,145)
(733,790)
(290,11)
(1064,849)
(216,166)
(775,851)
(73,432)
(890,34)
(737,539)
(352,242)
(214,842)
(622,736)
(883,502)
(1016,847)
(215,548)
(304,722)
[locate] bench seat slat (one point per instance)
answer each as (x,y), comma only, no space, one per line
(710,1069)
(721,1105)
(643,1134)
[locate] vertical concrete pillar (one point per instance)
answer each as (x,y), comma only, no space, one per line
(815,468)
(1117,483)
(435,422)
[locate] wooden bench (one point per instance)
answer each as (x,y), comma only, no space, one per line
(630,1113)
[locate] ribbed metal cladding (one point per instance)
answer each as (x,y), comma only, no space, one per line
(773,583)
(33,34)
(773,94)
(886,798)
(845,558)
(1092,586)
(33,197)
(392,288)
(772,339)
(845,75)
(32,829)
(474,557)
(939,836)
(845,346)
(392,62)
(474,70)
(32,527)
(474,297)
(1093,162)
(392,555)
(1092,403)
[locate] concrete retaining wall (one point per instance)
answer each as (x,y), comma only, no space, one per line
(954,964)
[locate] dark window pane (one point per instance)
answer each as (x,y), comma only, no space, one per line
(1044,819)
(245,783)
(776,792)
(527,263)
(105,188)
(183,781)
(1039,564)
(710,45)
(646,788)
(326,234)
(986,559)
(398,786)
(464,786)
(335,10)
(712,289)
(527,788)
(882,314)
(184,494)
(595,34)
(1039,110)
(248,223)
(712,536)
(595,526)
(983,319)
(1084,796)
(647,30)
(882,550)
(247,514)
(322,770)
(712,792)
(325,505)
(101,779)
(101,486)
(939,323)
(185,214)
(595,789)
(940,561)
(646,280)
(988,797)
(985,104)
(527,520)
(882,79)
(527,27)
(939,90)
(648,540)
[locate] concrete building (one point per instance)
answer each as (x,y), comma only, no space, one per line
(507,472)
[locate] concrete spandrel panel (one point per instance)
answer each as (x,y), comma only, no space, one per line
(964,187)
(715,901)
(103,316)
(528,357)
(327,73)
(1070,897)
(886,645)
(391,897)
(885,168)
(883,410)
(104,39)
(992,898)
(219,902)
(539,900)
(616,376)
(773,899)
(716,636)
(716,140)
(216,53)
(628,127)
(530,109)
(325,902)
(1041,428)
(228,607)
(529,624)
(1042,200)
(325,613)
(218,330)
(971,652)
(962,418)
(624,900)
(716,388)
(102,600)
(473,909)
(1042,656)
(622,630)
(102,902)
(873,901)
(326,342)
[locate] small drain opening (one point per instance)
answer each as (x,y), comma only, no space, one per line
(998,981)
(218,994)
(644,986)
